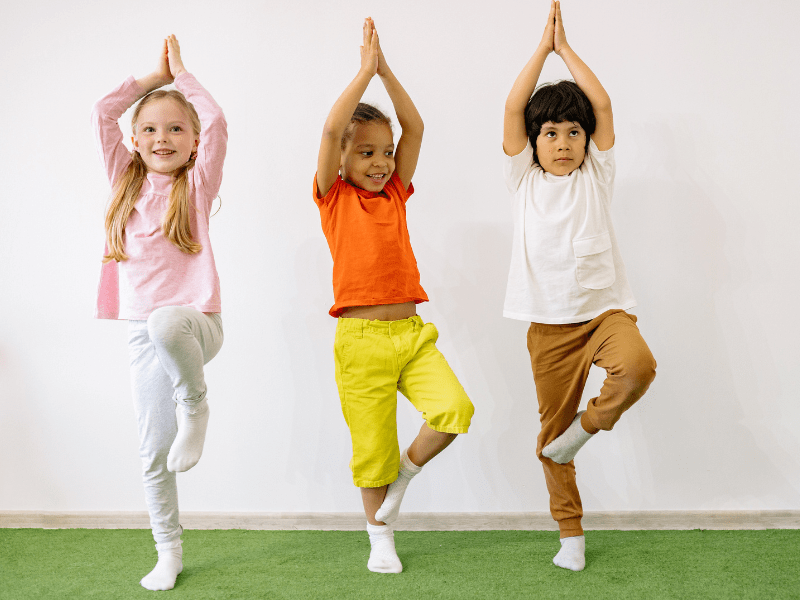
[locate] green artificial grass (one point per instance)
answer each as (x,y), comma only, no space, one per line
(97,563)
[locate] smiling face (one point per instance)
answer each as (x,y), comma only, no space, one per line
(561,147)
(368,156)
(164,136)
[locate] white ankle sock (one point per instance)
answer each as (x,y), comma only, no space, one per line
(390,509)
(564,448)
(572,555)
(382,557)
(170,563)
(188,445)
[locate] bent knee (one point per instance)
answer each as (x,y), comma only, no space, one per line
(639,373)
(455,418)
(163,323)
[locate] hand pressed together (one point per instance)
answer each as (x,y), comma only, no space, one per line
(174,56)
(554,39)
(369,51)
(547,36)
(559,36)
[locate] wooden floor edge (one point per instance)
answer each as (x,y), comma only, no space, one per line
(533,521)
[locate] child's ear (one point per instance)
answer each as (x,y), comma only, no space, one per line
(134,142)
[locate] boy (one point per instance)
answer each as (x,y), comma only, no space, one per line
(567,277)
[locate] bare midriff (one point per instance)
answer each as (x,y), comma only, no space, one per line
(381,312)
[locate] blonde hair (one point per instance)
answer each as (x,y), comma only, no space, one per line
(176,225)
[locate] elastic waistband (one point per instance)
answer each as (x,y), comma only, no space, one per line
(381,327)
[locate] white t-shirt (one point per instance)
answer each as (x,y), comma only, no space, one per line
(565,262)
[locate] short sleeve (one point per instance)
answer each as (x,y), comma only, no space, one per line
(332,193)
(393,188)
(516,167)
(396,188)
(601,163)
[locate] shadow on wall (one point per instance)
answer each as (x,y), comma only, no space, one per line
(683,261)
(468,282)
(22,440)
(318,421)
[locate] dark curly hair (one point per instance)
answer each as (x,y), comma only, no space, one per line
(557,102)
(364,113)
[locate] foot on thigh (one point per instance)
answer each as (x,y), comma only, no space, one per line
(169,565)
(188,445)
(564,448)
(382,556)
(572,555)
(390,509)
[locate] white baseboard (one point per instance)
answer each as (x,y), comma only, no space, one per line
(536,521)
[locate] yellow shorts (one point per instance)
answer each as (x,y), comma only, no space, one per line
(375,359)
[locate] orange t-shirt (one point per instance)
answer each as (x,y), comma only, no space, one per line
(373,262)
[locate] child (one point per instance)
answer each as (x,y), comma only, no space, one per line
(361,187)
(567,277)
(159,273)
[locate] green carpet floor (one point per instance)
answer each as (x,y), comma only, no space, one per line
(107,564)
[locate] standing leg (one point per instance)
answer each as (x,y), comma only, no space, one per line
(155,415)
(613,342)
(185,340)
(560,369)
(383,555)
(366,375)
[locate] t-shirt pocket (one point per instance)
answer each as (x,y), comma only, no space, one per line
(595,268)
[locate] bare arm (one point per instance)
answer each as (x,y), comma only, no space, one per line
(408,147)
(330,148)
(515,136)
(603,135)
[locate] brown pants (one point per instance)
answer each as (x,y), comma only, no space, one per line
(561,356)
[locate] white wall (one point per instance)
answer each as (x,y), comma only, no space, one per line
(706,210)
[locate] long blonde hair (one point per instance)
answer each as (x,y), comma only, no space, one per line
(176,225)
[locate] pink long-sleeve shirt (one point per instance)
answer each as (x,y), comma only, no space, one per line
(157,273)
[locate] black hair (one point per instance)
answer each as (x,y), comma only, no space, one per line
(364,113)
(557,102)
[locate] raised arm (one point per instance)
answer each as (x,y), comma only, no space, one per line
(107,111)
(330,148)
(515,136)
(411,125)
(214,133)
(162,75)
(603,135)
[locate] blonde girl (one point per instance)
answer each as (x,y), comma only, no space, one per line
(159,273)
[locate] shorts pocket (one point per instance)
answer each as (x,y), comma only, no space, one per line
(595,262)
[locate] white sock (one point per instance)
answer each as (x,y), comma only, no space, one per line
(170,563)
(390,509)
(188,445)
(564,448)
(382,557)
(572,555)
